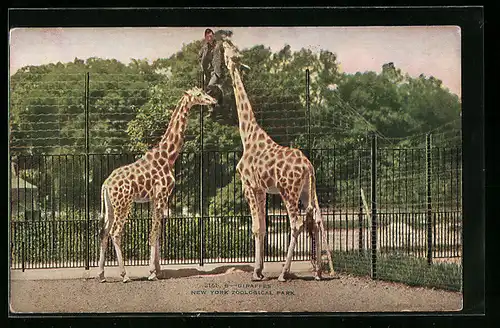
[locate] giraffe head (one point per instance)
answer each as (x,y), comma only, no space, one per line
(197,96)
(232,56)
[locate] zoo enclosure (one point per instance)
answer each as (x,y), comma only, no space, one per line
(376,200)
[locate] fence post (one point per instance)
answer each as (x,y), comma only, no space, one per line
(22,253)
(87,173)
(308,109)
(429,198)
(360,214)
(201,224)
(374,207)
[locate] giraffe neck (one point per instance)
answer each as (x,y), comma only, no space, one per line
(173,138)
(246,117)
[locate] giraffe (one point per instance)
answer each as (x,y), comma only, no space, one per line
(149,179)
(267,167)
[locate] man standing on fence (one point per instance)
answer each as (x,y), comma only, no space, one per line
(211,60)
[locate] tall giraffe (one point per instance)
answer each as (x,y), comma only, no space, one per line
(267,167)
(149,179)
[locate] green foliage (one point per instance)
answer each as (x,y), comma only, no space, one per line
(47,106)
(396,267)
(59,242)
(229,199)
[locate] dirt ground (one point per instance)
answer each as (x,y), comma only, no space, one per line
(226,289)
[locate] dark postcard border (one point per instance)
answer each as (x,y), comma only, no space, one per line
(471,22)
(285,16)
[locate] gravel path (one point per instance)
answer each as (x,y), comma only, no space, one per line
(187,290)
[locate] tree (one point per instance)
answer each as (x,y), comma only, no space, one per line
(48,114)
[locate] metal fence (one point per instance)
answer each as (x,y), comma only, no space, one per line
(391,212)
(375,201)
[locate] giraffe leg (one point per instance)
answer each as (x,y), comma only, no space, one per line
(157,258)
(116,235)
(116,238)
(296,228)
(256,201)
(154,265)
(313,231)
(324,240)
(316,246)
(102,256)
(260,236)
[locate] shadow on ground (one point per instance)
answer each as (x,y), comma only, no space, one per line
(227,269)
(192,272)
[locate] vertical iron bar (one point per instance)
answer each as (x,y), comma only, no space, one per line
(52,205)
(406,209)
(458,187)
(429,200)
(347,201)
(66,179)
(347,189)
(18,211)
(400,192)
(268,222)
(334,195)
(10,212)
(87,170)
(201,177)
(374,206)
(341,175)
(234,203)
(457,176)
(360,213)
(413,200)
(308,109)
(353,197)
(59,209)
(23,251)
(394,191)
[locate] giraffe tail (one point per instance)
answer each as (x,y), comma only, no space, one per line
(314,211)
(104,210)
(310,206)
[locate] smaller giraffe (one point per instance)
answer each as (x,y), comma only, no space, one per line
(149,179)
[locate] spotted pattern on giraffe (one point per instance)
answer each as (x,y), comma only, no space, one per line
(150,178)
(266,166)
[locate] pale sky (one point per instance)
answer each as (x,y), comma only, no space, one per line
(431,50)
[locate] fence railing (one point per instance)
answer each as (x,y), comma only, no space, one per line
(416,211)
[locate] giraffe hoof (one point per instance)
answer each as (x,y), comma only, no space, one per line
(126,279)
(317,277)
(152,277)
(101,278)
(333,274)
(258,276)
(282,278)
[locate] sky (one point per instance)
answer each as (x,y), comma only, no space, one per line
(431,50)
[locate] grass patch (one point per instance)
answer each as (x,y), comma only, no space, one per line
(415,271)
(402,268)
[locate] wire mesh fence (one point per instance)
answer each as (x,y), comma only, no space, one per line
(392,211)
(50,226)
